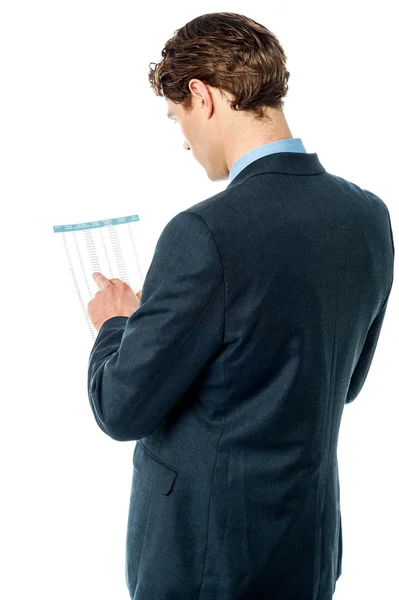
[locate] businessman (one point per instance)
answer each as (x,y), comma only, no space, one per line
(257,322)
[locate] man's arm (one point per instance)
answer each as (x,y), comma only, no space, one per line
(141,366)
(364,362)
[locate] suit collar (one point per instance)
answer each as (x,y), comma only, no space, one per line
(288,163)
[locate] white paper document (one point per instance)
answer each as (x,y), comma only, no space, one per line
(115,247)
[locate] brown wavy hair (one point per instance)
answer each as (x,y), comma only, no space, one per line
(227,51)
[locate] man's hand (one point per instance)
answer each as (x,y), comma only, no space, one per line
(115,299)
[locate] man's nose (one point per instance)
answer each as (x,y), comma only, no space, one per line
(186,145)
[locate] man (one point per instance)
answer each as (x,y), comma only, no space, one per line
(258,321)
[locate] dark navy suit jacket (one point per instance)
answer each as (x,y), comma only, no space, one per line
(258,321)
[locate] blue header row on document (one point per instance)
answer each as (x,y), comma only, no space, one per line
(95,224)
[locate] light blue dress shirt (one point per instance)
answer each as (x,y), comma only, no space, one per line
(288,145)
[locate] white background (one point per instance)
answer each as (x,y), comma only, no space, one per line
(83,135)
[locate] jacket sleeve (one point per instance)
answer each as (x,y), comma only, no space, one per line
(370,344)
(141,366)
(366,356)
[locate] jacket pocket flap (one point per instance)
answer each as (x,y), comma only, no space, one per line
(159,475)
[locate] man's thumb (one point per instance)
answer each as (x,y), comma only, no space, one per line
(138,294)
